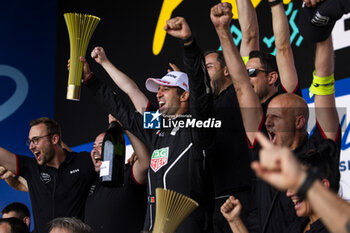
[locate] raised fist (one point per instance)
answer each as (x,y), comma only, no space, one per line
(231,209)
(178,27)
(221,15)
(99,55)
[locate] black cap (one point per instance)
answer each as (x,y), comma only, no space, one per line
(316,24)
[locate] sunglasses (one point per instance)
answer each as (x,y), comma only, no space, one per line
(252,72)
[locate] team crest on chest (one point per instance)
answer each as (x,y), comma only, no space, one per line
(45,177)
(159,158)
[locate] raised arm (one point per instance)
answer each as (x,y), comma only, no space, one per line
(124,82)
(334,211)
(326,112)
(178,28)
(231,210)
(200,97)
(251,109)
(8,160)
(279,167)
(248,22)
(284,53)
(18,183)
(141,164)
(130,119)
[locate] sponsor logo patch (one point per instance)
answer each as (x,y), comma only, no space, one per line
(74,171)
(159,158)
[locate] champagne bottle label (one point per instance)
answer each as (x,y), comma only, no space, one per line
(113,157)
(108,157)
(104,170)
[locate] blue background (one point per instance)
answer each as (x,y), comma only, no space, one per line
(27,43)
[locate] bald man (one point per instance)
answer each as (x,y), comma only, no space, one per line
(286,114)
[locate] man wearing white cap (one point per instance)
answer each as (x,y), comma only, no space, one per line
(177,147)
(173,83)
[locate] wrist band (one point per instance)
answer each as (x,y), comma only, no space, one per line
(189,39)
(85,80)
(312,175)
(322,85)
(245,59)
(274,3)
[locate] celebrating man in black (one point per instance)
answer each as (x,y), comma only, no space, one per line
(58,180)
(176,152)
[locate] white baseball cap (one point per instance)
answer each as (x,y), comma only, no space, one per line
(171,79)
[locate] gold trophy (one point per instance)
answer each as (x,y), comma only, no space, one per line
(171,209)
(80,29)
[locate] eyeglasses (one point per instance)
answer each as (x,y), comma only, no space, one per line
(35,140)
(252,72)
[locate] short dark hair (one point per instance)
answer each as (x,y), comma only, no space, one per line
(179,90)
(19,208)
(267,61)
(73,224)
(325,159)
(51,125)
(220,56)
(17,226)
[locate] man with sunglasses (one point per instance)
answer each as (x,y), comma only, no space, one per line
(270,76)
(58,180)
(286,115)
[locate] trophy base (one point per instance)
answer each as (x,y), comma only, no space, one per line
(73,92)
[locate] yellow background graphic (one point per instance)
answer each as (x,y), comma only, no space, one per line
(166,11)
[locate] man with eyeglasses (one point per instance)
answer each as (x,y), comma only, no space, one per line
(58,180)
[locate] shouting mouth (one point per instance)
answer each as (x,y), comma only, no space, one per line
(272,137)
(161,104)
(297,204)
(37,154)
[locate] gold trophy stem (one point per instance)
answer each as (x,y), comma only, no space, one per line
(73,92)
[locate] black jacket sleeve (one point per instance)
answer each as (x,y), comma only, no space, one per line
(130,120)
(201,98)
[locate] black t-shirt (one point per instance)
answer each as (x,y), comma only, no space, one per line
(117,209)
(229,156)
(300,223)
(276,211)
(57,192)
(265,193)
